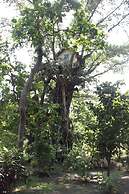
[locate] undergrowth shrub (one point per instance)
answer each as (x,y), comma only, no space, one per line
(43,157)
(79,160)
(111,184)
(11,169)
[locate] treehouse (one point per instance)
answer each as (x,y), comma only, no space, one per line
(68,59)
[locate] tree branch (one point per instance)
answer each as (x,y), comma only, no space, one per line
(109,69)
(110,13)
(94,10)
(53,42)
(94,66)
(30,1)
(110,29)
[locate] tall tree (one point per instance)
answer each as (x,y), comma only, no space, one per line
(68,56)
(112,116)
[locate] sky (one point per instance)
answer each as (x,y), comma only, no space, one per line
(117,36)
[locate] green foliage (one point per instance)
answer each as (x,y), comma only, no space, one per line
(8,117)
(12,81)
(86,33)
(46,121)
(11,169)
(8,140)
(9,157)
(84,122)
(41,24)
(112,113)
(43,155)
(42,135)
(37,22)
(111,185)
(79,159)
(100,129)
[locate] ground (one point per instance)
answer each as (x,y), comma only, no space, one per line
(125,184)
(67,184)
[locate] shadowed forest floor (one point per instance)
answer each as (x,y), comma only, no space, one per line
(61,185)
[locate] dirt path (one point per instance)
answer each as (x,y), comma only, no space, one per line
(124,187)
(63,189)
(59,185)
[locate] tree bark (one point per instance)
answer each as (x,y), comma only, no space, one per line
(108,168)
(23,98)
(65,114)
(63,96)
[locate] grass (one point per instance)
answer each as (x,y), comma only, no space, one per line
(35,184)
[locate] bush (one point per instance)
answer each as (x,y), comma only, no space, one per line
(43,157)
(79,160)
(11,169)
(110,185)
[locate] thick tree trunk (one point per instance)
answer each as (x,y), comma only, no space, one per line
(23,107)
(65,114)
(63,96)
(109,166)
(23,98)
